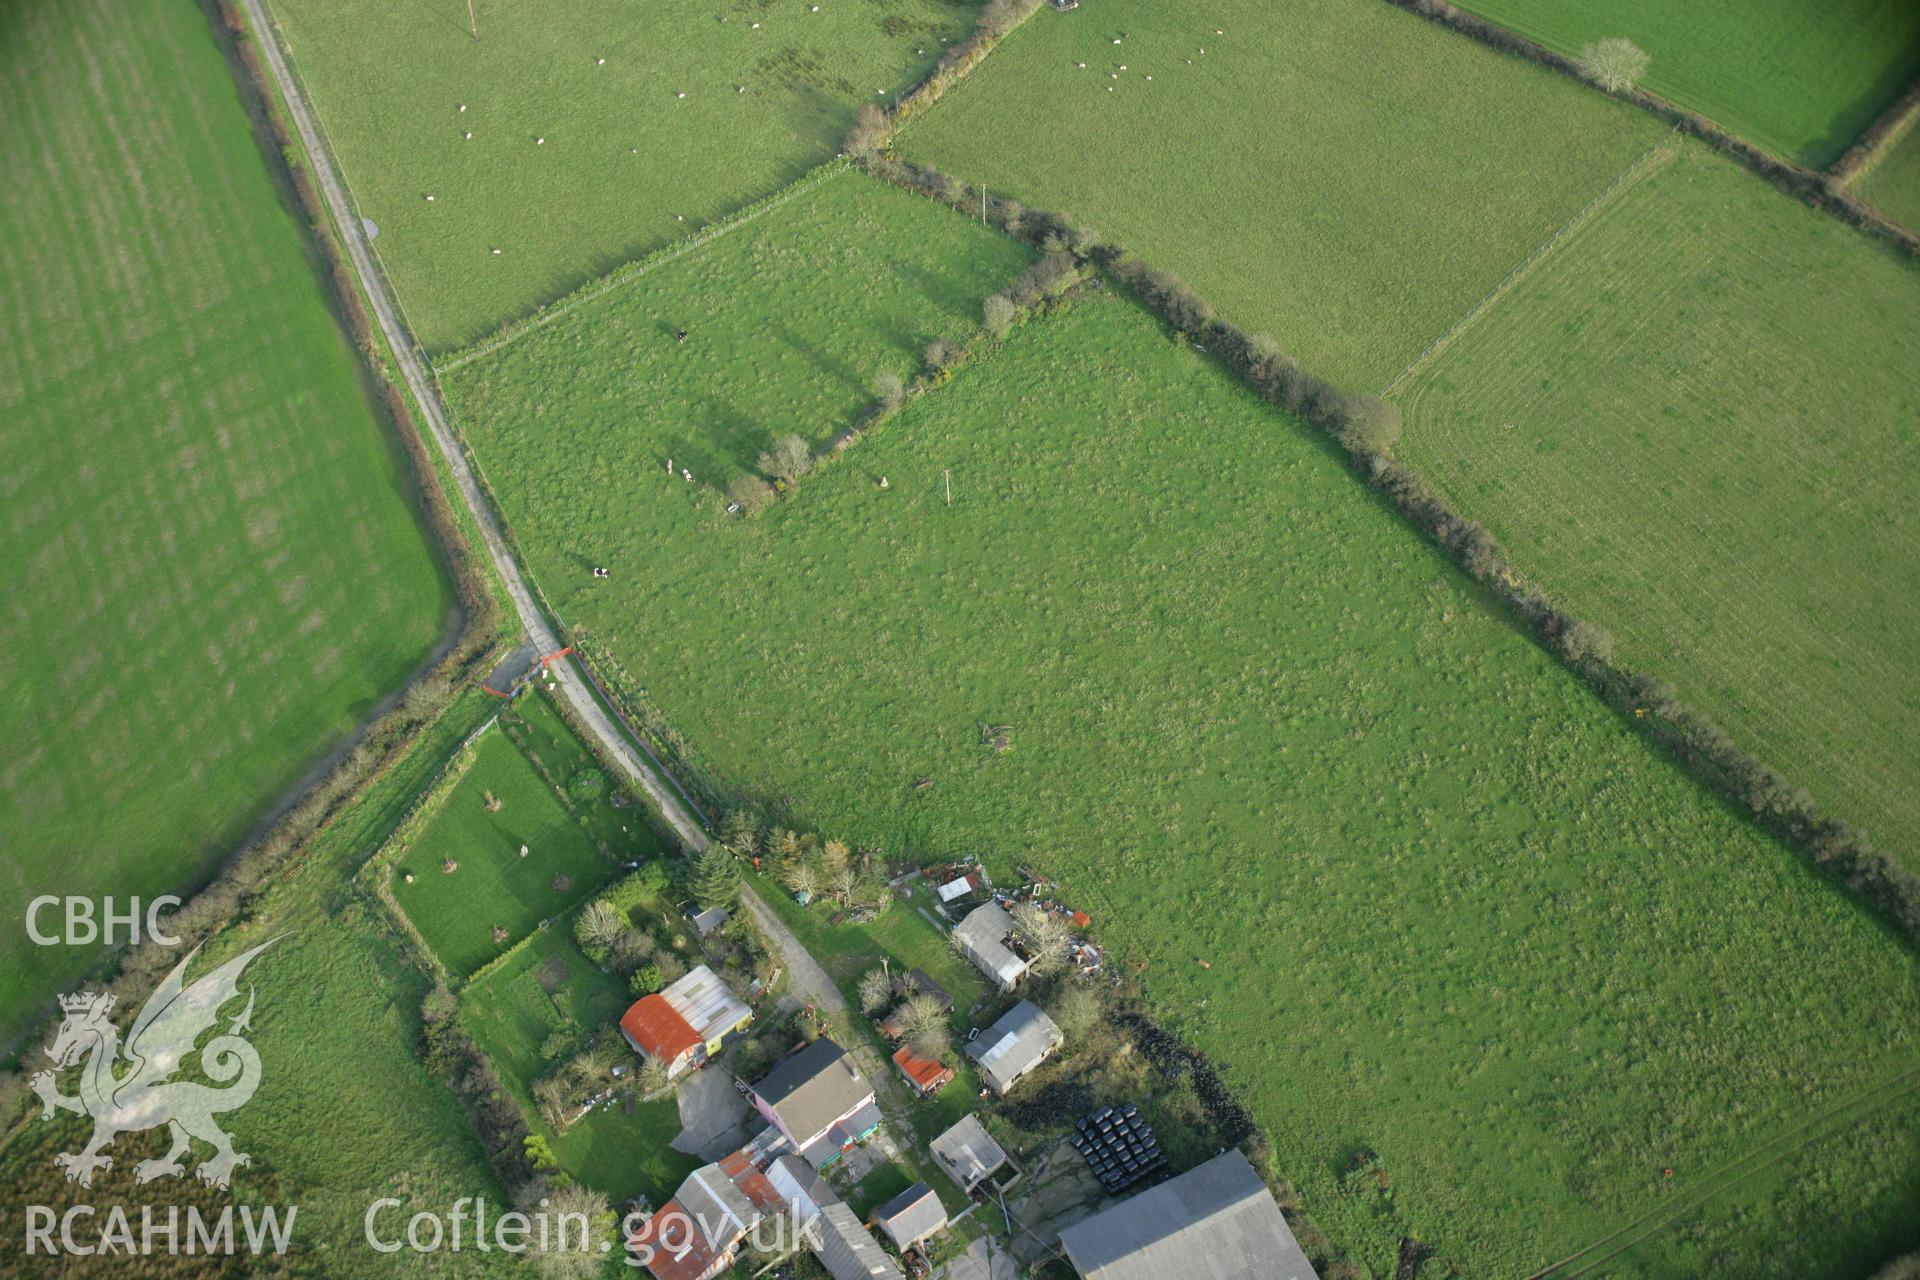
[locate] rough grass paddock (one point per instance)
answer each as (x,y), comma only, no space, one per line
(1695,422)
(1455,913)
(628,164)
(214,567)
(1801,80)
(346,1112)
(1349,179)
(799,312)
(623,1152)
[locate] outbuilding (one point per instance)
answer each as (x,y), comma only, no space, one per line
(982,938)
(911,1216)
(1021,1040)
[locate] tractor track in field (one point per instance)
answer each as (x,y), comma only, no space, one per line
(646,772)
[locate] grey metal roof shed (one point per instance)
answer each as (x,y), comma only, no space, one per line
(1020,1041)
(968,1153)
(911,1216)
(846,1249)
(1214,1222)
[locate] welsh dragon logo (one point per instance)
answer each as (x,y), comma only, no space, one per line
(146,1095)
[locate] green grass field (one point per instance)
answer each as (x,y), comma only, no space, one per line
(215,569)
(1454,911)
(493,886)
(1350,180)
(1696,423)
(346,1111)
(510,1011)
(1801,80)
(628,163)
(807,306)
(1894,184)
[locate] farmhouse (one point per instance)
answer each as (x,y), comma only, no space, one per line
(1215,1222)
(911,1216)
(1021,1040)
(688,1023)
(968,1153)
(982,938)
(927,1075)
(696,1235)
(818,1102)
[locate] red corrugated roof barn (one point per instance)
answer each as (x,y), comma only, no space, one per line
(656,1029)
(927,1074)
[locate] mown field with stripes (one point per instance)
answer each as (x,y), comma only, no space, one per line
(215,565)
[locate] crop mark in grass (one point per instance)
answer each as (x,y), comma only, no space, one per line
(1657,157)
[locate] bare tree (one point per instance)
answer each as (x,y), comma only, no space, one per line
(803,878)
(750,491)
(1614,64)
(578,1220)
(892,392)
(923,1025)
(876,991)
(788,460)
(998,313)
(600,923)
(1043,936)
(941,353)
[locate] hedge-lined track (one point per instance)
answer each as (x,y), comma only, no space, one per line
(1696,425)
(214,569)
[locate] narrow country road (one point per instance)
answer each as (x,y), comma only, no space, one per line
(427,396)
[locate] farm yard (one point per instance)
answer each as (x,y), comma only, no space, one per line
(1251,721)
(216,569)
(1696,422)
(1801,81)
(1355,227)
(499,804)
(599,131)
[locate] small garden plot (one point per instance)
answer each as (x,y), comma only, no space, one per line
(498,853)
(547,1007)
